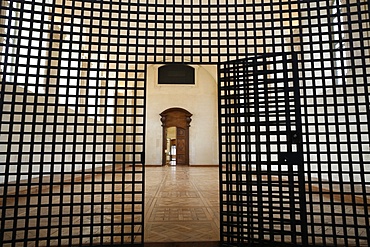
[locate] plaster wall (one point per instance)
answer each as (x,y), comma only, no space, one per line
(199,99)
(49,144)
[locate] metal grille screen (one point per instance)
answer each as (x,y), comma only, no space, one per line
(72,128)
(262,175)
(267,193)
(73,105)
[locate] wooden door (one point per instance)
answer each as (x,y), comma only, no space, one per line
(179,118)
(181,148)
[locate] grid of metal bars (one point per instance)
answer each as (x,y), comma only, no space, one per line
(72,128)
(336,123)
(73,106)
(332,43)
(262,177)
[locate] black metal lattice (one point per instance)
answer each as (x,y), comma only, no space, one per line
(262,185)
(72,106)
(329,205)
(72,128)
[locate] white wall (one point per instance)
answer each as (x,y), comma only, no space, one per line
(57,145)
(199,99)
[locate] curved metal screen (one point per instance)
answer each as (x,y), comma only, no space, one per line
(72,128)
(263,189)
(73,85)
(296,172)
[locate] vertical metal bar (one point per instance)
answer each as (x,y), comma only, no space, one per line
(300,150)
(364,185)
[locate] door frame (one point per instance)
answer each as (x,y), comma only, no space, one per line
(175,117)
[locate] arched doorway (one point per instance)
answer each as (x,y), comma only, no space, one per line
(175,123)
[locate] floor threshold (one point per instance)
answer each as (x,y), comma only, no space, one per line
(184,244)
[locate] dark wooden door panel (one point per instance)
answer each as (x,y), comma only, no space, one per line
(179,118)
(182,146)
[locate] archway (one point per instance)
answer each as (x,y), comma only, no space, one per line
(175,150)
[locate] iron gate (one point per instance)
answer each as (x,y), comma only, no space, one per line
(262,176)
(283,181)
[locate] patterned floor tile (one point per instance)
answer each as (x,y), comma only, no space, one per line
(181,210)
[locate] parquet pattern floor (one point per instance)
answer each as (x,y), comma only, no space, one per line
(182,204)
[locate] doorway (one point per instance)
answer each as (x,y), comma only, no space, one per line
(175,123)
(171,146)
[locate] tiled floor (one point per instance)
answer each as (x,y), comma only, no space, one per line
(182,204)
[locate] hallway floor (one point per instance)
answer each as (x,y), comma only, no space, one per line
(181,204)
